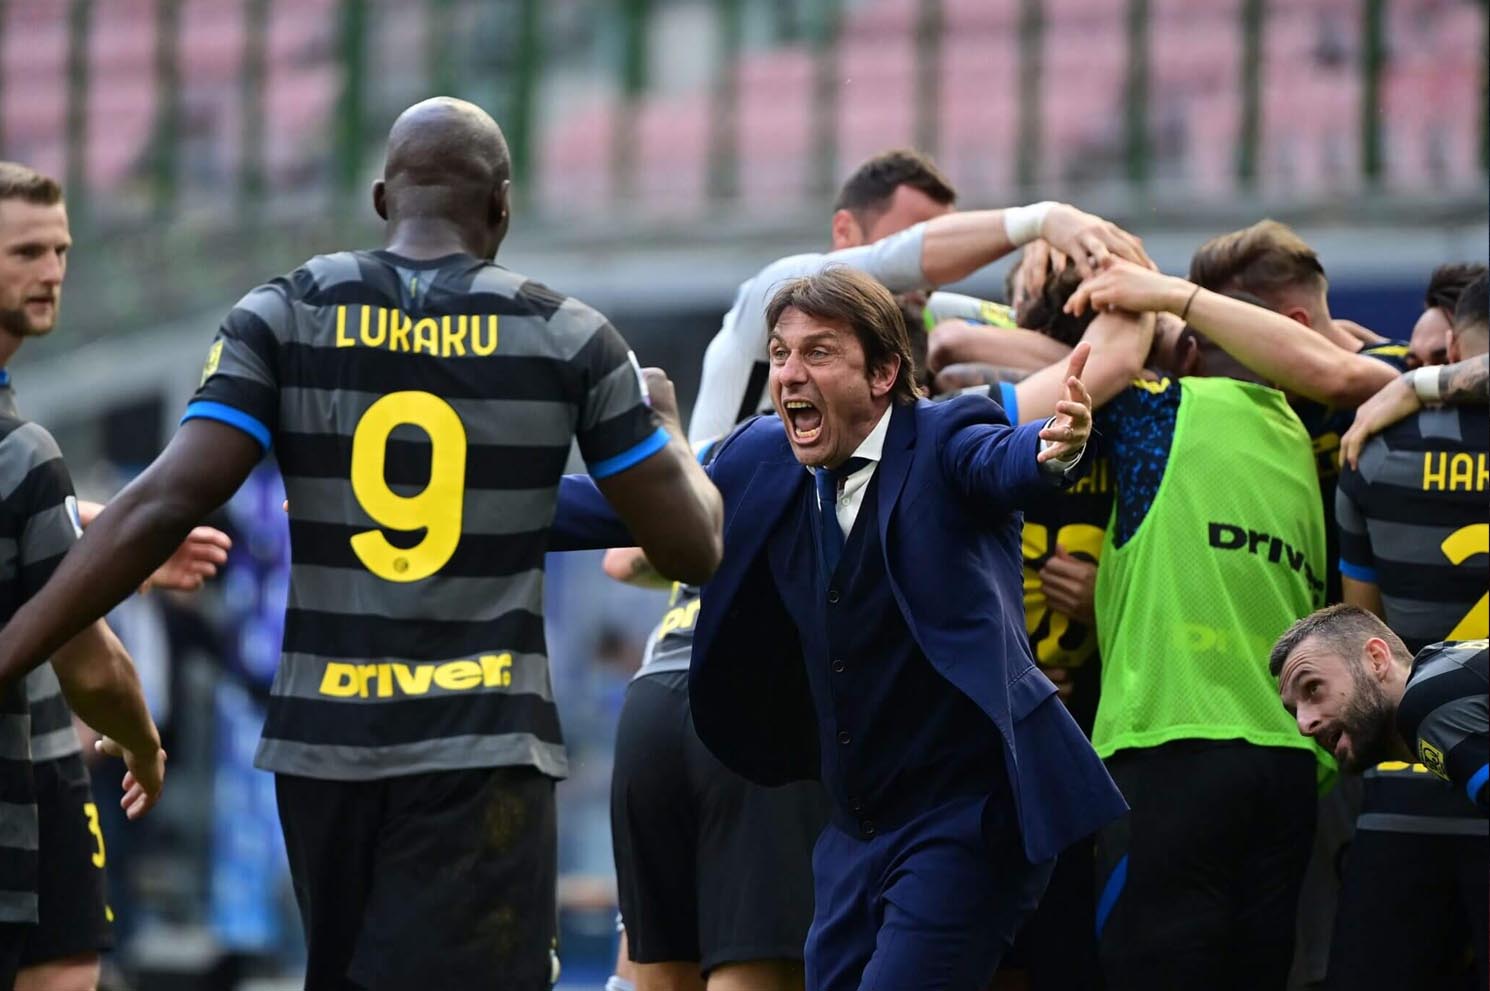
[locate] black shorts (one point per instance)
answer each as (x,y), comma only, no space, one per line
(710,867)
(1057,948)
(1412,913)
(1198,885)
(72,897)
(437,880)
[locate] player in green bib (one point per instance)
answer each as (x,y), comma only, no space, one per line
(1216,544)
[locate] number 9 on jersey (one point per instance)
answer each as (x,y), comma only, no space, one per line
(436,510)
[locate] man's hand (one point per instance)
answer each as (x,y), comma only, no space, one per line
(143,780)
(1396,400)
(1089,240)
(1036,265)
(196,560)
(1070,586)
(1125,286)
(1069,429)
(1065,685)
(663,396)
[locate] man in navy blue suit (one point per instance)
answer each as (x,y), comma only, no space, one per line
(866,626)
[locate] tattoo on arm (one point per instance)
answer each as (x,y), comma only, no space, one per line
(1465,382)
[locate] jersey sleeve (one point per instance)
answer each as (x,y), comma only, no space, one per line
(240,380)
(43,502)
(1137,427)
(1445,715)
(1394,353)
(732,385)
(1357,559)
(617,427)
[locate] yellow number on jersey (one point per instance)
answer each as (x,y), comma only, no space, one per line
(91,811)
(1077,538)
(436,510)
(1458,547)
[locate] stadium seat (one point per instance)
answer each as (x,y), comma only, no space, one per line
(775,137)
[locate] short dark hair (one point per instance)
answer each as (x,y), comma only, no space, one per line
(1046,312)
(842,295)
(1472,313)
(867,192)
(1345,628)
(21,182)
(1263,259)
(1447,282)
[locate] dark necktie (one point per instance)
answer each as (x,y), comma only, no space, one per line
(827,499)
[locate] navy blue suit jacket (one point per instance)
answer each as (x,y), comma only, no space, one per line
(951,480)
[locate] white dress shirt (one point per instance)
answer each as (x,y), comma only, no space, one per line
(852,488)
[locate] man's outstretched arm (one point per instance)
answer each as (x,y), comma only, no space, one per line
(1464,383)
(1268,343)
(203,465)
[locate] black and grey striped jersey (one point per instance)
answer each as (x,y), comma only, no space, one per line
(1444,714)
(52,733)
(38,524)
(670,646)
(1414,520)
(422,413)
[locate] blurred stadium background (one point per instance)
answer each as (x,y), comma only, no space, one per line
(664,151)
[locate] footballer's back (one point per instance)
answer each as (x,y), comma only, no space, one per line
(422,413)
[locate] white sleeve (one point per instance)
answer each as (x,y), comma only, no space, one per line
(732,386)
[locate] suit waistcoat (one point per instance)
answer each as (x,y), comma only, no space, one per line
(895,736)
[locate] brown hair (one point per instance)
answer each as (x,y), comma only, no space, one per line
(1263,259)
(842,295)
(1345,628)
(867,192)
(1046,312)
(21,182)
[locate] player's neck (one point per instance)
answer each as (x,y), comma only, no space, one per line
(428,237)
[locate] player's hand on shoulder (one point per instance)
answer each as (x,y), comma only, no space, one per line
(144,777)
(1395,401)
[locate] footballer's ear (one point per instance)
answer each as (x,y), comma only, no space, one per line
(380,198)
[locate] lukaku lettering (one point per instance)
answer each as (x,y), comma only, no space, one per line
(439,337)
(344,681)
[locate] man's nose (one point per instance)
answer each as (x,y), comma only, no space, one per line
(792,369)
(1309,721)
(52,269)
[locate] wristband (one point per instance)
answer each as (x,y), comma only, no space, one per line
(1425,382)
(1022,223)
(1186,311)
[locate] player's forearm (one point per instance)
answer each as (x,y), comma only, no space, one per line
(956,245)
(957,342)
(1281,350)
(1465,383)
(115,555)
(1120,344)
(103,689)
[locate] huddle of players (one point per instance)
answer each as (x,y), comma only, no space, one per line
(1198,887)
